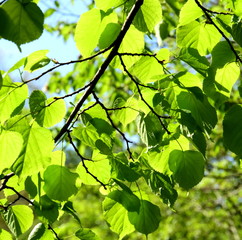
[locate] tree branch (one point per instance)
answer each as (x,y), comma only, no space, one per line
(102,68)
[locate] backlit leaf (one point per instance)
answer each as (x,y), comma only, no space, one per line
(59,182)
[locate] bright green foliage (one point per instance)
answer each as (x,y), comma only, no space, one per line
(19,219)
(10,146)
(200,36)
(151,110)
(12,99)
(189,12)
(21,22)
(59,182)
(46,112)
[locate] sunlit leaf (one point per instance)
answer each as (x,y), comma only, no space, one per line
(200,36)
(59,182)
(189,12)
(19,219)
(10,146)
(46,112)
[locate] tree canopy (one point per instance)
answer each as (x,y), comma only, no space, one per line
(141,139)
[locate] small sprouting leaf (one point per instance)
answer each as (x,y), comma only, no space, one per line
(59,182)
(19,219)
(23,22)
(187,167)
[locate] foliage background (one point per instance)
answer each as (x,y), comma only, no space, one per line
(210,210)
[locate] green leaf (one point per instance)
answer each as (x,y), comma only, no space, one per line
(237,32)
(200,109)
(37,232)
(11,144)
(46,209)
(88,31)
(23,22)
(37,148)
(108,35)
(88,135)
(117,217)
(147,219)
(187,167)
(147,69)
(47,113)
(133,42)
(12,98)
(129,201)
(5,235)
(232,125)
(30,187)
(36,60)
(150,130)
(162,186)
(129,113)
(59,182)
(19,219)
(121,168)
(200,36)
(192,57)
(158,159)
(222,55)
(99,162)
(148,16)
(86,234)
(189,12)
(105,5)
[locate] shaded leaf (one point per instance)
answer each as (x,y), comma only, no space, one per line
(187,167)
(23,22)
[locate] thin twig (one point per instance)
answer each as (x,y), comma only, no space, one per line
(141,95)
(83,160)
(116,44)
(206,12)
(55,233)
(113,125)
